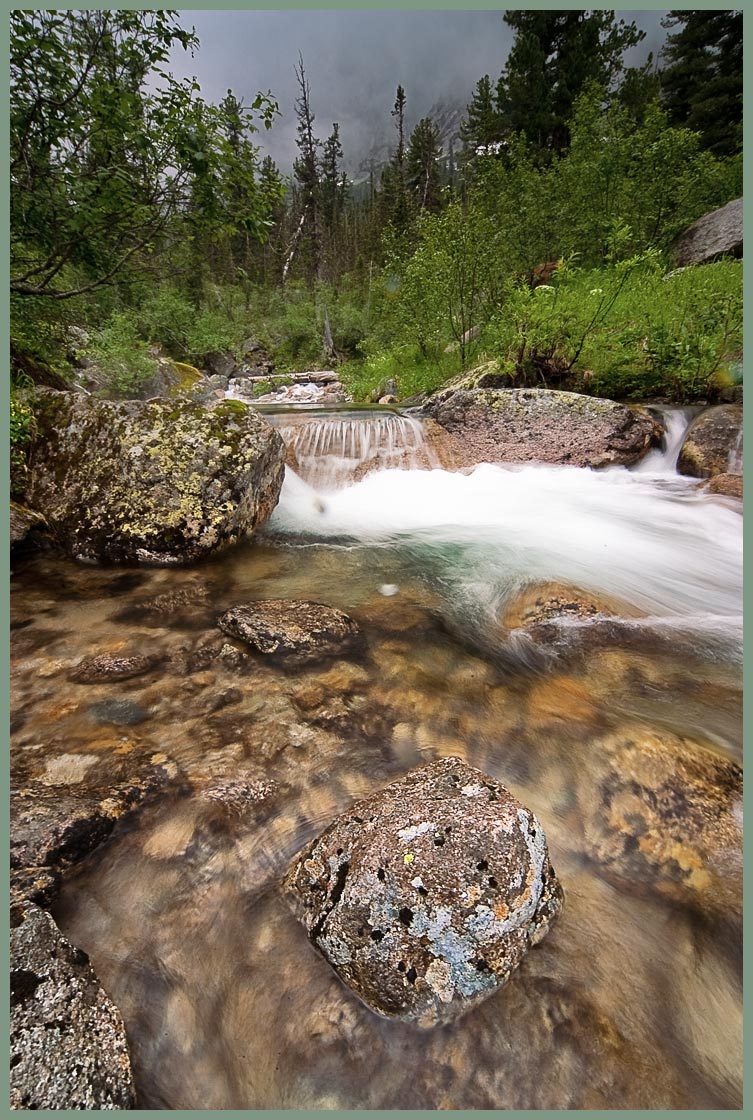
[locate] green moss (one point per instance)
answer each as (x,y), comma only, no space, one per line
(188,376)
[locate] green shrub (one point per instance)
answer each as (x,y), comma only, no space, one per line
(122,355)
(22,430)
(627,331)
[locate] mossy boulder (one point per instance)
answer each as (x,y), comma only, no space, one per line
(158,481)
(539,425)
(713,444)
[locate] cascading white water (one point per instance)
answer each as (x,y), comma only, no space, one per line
(658,544)
(333,449)
(663,460)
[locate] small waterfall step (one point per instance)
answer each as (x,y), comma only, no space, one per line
(334,448)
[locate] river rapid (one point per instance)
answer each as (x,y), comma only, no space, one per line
(621,731)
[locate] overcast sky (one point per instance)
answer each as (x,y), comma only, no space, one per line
(354,61)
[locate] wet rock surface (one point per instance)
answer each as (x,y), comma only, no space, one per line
(667,818)
(543,601)
(426,896)
(730,485)
(713,445)
(718,233)
(65,805)
(543,425)
(105,667)
(68,1044)
(156,482)
(294,631)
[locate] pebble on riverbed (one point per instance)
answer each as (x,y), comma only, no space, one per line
(427,895)
(294,631)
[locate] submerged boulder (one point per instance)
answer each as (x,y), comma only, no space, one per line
(541,425)
(67,1039)
(293,631)
(718,233)
(159,482)
(730,485)
(425,896)
(713,444)
(667,818)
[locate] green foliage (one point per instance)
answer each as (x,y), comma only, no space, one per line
(122,355)
(626,331)
(22,431)
(413,372)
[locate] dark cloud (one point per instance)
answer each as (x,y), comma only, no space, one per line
(354,61)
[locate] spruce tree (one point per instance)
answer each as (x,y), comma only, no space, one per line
(482,126)
(702,83)
(422,165)
(554,55)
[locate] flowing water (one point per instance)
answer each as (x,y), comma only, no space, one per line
(621,733)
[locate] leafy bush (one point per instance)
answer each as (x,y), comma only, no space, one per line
(22,430)
(121,354)
(627,331)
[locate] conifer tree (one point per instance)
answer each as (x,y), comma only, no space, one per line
(422,165)
(482,126)
(554,55)
(702,85)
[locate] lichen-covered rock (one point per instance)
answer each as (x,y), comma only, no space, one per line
(68,1044)
(543,425)
(716,234)
(104,668)
(713,444)
(152,482)
(294,631)
(426,896)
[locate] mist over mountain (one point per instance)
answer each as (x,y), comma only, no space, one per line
(354,62)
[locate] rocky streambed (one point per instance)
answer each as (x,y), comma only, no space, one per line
(185,738)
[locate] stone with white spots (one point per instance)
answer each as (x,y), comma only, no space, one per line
(425,896)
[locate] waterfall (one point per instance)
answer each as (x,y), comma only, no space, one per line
(663,460)
(332,449)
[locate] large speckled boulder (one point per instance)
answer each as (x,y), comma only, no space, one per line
(293,631)
(543,425)
(68,1044)
(426,896)
(152,482)
(719,233)
(713,444)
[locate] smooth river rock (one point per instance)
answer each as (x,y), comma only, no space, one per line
(67,1039)
(425,896)
(159,482)
(293,631)
(538,425)
(713,444)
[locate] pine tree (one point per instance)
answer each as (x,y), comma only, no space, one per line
(483,126)
(555,54)
(422,165)
(702,85)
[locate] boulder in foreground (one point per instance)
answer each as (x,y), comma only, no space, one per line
(67,1039)
(426,896)
(538,425)
(160,482)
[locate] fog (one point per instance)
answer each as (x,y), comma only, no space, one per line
(354,61)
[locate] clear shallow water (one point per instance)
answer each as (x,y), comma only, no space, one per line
(619,742)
